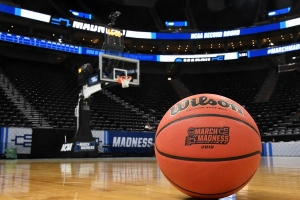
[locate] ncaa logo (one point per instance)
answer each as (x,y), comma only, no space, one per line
(66,147)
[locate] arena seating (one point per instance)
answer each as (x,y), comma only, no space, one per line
(53,91)
(280,116)
(241,86)
(50,89)
(111,113)
(277,117)
(153,98)
(10,115)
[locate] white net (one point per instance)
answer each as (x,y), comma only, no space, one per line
(125,81)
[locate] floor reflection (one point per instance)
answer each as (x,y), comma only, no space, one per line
(130,178)
(13,175)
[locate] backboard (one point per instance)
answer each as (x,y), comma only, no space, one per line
(111,67)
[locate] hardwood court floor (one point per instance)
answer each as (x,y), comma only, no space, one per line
(129,178)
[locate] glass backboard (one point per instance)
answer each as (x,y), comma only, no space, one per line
(111,67)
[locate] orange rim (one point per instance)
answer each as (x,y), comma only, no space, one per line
(121,78)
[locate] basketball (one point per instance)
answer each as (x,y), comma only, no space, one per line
(208,146)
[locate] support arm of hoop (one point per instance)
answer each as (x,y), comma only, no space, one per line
(77,115)
(87,91)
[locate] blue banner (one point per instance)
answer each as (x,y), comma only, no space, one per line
(261,29)
(274,50)
(8,37)
(178,23)
(152,35)
(3,139)
(8,9)
(129,142)
(81,14)
(279,12)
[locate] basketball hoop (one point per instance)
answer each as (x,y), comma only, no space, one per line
(124,80)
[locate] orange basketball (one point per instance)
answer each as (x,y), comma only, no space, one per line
(208,146)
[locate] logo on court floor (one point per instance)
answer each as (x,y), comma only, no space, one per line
(207,135)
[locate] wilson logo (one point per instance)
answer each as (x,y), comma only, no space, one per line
(203,101)
(207,135)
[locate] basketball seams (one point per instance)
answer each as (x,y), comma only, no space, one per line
(207,127)
(208,159)
(207,115)
(237,188)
